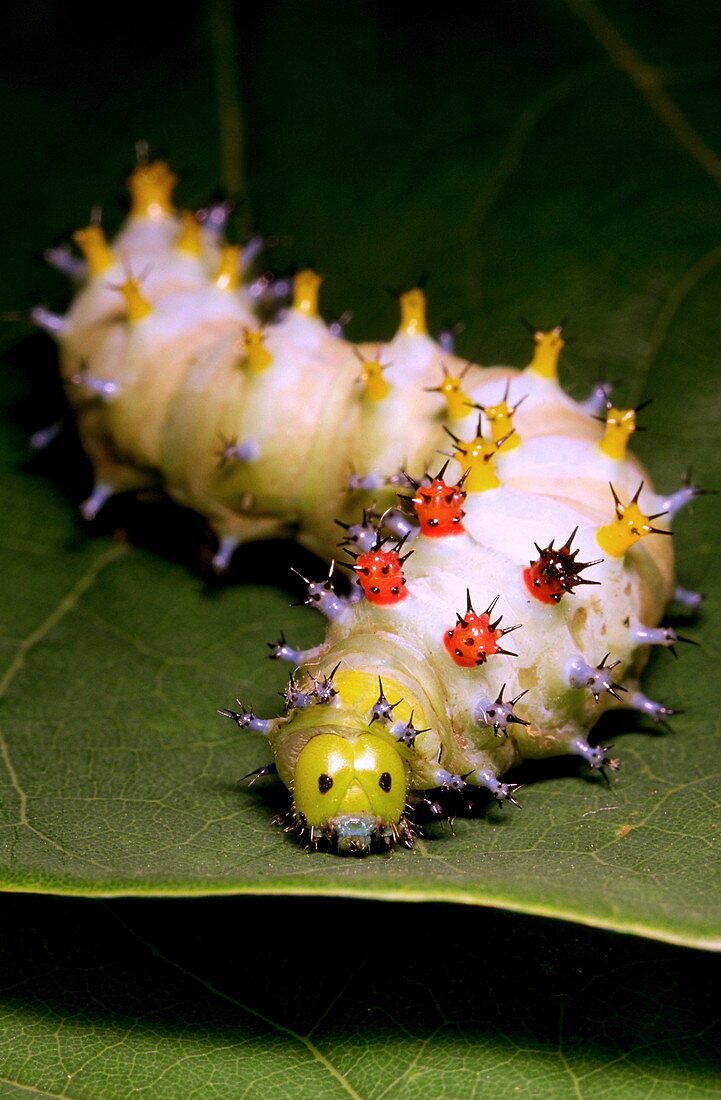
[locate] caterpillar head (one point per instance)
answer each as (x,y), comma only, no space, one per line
(349,761)
(351,791)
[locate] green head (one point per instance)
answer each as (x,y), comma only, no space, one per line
(351,790)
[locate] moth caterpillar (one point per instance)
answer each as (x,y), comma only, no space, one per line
(540,524)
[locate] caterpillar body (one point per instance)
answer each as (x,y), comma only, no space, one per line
(540,525)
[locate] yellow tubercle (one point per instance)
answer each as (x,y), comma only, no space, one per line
(620,426)
(228,275)
(458,403)
(257,355)
(359,690)
(376,387)
(500,418)
(138,306)
(151,186)
(548,348)
(94,246)
(478,457)
(413,313)
(630,525)
(306,285)
(190,238)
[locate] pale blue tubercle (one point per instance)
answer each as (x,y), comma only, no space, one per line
(249,451)
(687,598)
(64,260)
(596,679)
(227,545)
(283,651)
(100,495)
(322,596)
(43,437)
(655,711)
(658,635)
(101,387)
(502,792)
(247,720)
(594,755)
(48,321)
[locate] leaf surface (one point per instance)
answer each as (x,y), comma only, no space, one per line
(244,997)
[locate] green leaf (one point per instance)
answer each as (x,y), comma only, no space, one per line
(526,179)
(334,999)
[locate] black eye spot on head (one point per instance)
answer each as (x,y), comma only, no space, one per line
(385,782)
(325,782)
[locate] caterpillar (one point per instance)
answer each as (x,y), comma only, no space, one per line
(539,523)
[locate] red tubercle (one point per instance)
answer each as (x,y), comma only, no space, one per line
(542,590)
(471,641)
(380,575)
(439,508)
(555,572)
(475,638)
